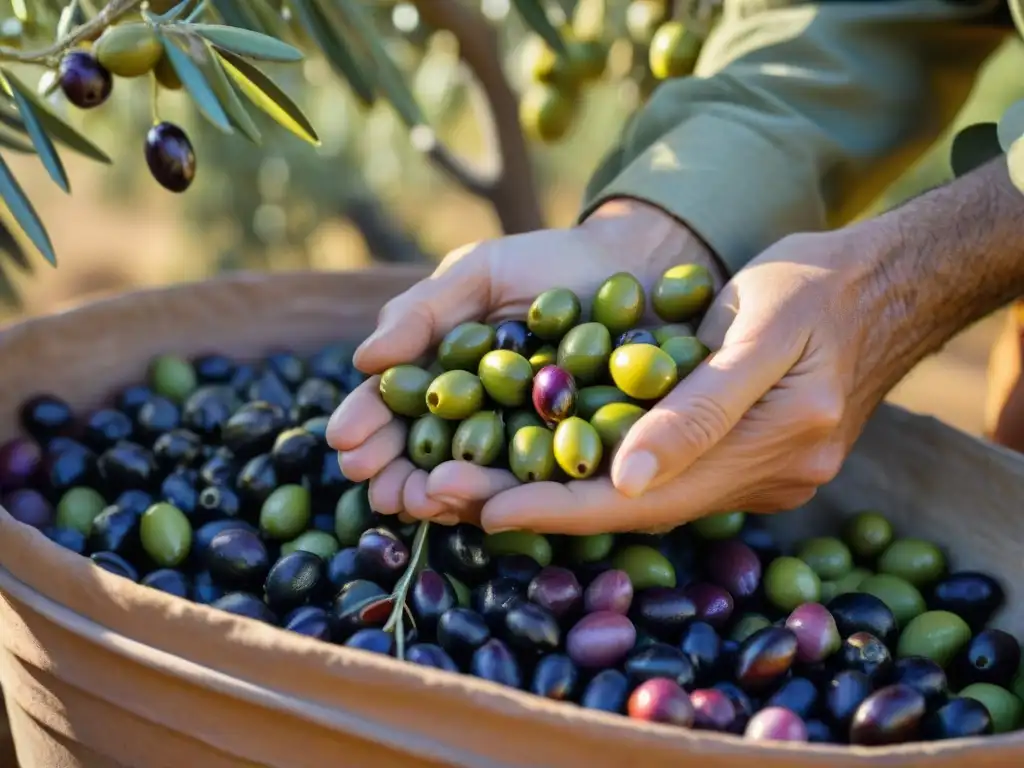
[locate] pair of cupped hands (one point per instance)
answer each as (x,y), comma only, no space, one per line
(759,426)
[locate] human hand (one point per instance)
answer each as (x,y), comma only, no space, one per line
(488,281)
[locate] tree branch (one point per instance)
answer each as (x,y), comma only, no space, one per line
(114,10)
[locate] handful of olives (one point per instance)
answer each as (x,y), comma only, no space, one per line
(551,395)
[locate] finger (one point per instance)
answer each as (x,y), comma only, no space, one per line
(386,489)
(695,416)
(460,483)
(415,499)
(360,415)
(382,447)
(414,321)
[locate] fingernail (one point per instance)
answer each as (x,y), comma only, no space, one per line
(449,501)
(635,473)
(448,518)
(500,529)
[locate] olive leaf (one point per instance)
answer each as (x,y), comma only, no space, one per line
(536,18)
(228,97)
(8,293)
(1011,125)
(9,244)
(21,209)
(268,96)
(192,78)
(16,144)
(974,146)
(40,138)
(247,43)
(334,47)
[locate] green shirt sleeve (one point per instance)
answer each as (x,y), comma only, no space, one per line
(791,113)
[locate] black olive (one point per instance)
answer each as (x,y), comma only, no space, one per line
(326,481)
(606,692)
(494,661)
(243,377)
(992,656)
(555,677)
(865,653)
(131,399)
(156,416)
(294,580)
(256,481)
(844,695)
(344,567)
(219,469)
(214,369)
(288,367)
(114,563)
(268,388)
(252,429)
(495,598)
(460,632)
(373,640)
(295,453)
(238,559)
(170,157)
(382,556)
(359,604)
(317,426)
(663,612)
(116,529)
(532,629)
(135,500)
(106,427)
(177,448)
(515,336)
(205,589)
(818,732)
(519,568)
(69,538)
(334,364)
(431,596)
(659,660)
(208,408)
(65,465)
(204,535)
(702,644)
(247,605)
(924,676)
(315,398)
(765,658)
(459,550)
(45,417)
(797,694)
(430,655)
(170,581)
(741,702)
(957,719)
(309,620)
(761,540)
(861,612)
(216,502)
(974,597)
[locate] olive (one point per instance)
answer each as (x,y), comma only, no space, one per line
(553,313)
(890,715)
(819,732)
(308,620)
(613,421)
(816,632)
(865,653)
(115,564)
(78,508)
(619,303)
(494,661)
(320,543)
(723,525)
(703,645)
(217,502)
(205,589)
(213,369)
(45,417)
(179,488)
(636,336)
(750,623)
(713,710)
(645,566)
(514,336)
(479,439)
(590,549)
(172,377)
(295,452)
(592,399)
(288,367)
(66,466)
(125,466)
(544,356)
(268,388)
(661,700)
(455,395)
(154,417)
(460,632)
(460,552)
(901,596)
(333,363)
(924,676)
(973,596)
(663,611)
(326,482)
(360,604)
(958,718)
(671,330)
(659,660)
(555,677)
(115,530)
(294,580)
(687,351)
(177,448)
(128,50)
(30,507)
(682,293)
(430,597)
(519,568)
(237,558)
(992,656)
(106,427)
(827,556)
(382,556)
(736,567)
(643,372)
(790,582)
(531,454)
(741,702)
(584,352)
(519,543)
(68,538)
(135,500)
(430,655)
(554,394)
(202,537)
(495,598)
(166,534)
(207,409)
(1005,709)
(315,398)
(517,420)
(849,583)
(285,513)
(220,469)
(918,562)
(556,589)
(936,635)
(352,515)
(859,612)
(797,694)
(246,605)
(131,399)
(609,591)
(577,448)
(84,81)
(868,534)
(343,567)
(404,389)
(20,460)
(844,693)
(252,429)
(531,628)
(170,581)
(776,724)
(764,658)
(506,377)
(607,691)
(464,346)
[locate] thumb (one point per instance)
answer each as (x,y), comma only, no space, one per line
(704,408)
(414,321)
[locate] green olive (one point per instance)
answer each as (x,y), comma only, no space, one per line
(687,351)
(590,399)
(353,515)
(828,556)
(577,448)
(829,589)
(613,421)
(479,439)
(584,352)
(642,371)
(937,635)
(851,581)
(78,507)
(543,357)
(531,454)
(868,534)
(462,594)
(915,560)
(1018,684)
(129,50)
(464,346)
(506,377)
(590,549)
(166,534)
(645,566)
(519,543)
(455,395)
(723,525)
(682,293)
(429,442)
(902,597)
(671,331)
(789,582)
(619,303)
(318,542)
(553,313)
(286,512)
(519,419)
(173,377)
(747,625)
(1005,709)
(404,390)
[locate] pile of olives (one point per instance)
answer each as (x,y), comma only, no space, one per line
(551,397)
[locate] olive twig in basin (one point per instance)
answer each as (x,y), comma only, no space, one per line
(395,622)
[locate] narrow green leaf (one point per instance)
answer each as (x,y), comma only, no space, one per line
(10,118)
(1011,125)
(192,78)
(233,105)
(245,42)
(55,127)
(24,214)
(8,293)
(9,244)
(1017,12)
(174,13)
(1015,163)
(536,18)
(268,96)
(40,139)
(269,19)
(332,43)
(16,144)
(234,13)
(974,146)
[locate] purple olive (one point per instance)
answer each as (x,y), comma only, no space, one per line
(741,703)
(713,710)
(736,567)
(555,677)
(609,591)
(514,335)
(607,692)
(430,655)
(494,661)
(85,82)
(714,604)
(170,157)
(432,595)
(554,394)
(655,660)
(661,701)
(373,640)
(382,556)
(844,694)
(556,589)
(924,676)
(776,724)
(764,658)
(663,611)
(20,459)
(891,715)
(600,639)
(817,637)
(30,507)
(797,694)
